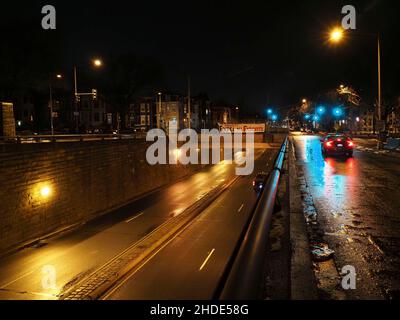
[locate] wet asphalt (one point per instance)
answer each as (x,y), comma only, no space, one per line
(353,205)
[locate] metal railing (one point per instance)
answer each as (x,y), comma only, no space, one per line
(40,138)
(244,275)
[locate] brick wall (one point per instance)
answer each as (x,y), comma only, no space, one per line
(7,120)
(47,186)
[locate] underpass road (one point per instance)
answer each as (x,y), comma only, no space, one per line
(357,201)
(191,265)
(74,255)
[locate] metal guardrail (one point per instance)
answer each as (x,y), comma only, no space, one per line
(70,138)
(242,280)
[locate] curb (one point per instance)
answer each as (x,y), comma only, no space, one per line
(303,285)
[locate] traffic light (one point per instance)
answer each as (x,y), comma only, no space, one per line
(94,94)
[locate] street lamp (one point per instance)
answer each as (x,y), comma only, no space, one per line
(159,111)
(336,35)
(58,76)
(97,63)
(304,101)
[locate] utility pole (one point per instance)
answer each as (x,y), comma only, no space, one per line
(189,103)
(379,103)
(159,110)
(379,81)
(76,102)
(51,108)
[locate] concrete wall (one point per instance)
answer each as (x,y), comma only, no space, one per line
(48,186)
(7,120)
(44,187)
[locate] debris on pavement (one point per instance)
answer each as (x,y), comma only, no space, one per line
(321,252)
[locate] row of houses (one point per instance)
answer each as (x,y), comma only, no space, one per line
(94,114)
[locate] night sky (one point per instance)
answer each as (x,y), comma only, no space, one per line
(251,53)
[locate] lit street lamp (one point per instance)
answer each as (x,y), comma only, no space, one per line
(58,76)
(336,36)
(96,63)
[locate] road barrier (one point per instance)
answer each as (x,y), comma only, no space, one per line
(243,276)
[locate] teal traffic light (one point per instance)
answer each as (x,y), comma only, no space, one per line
(337,112)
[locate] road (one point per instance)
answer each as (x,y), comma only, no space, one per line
(28,274)
(191,265)
(357,202)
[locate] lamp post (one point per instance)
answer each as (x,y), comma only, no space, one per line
(58,76)
(336,36)
(159,110)
(97,63)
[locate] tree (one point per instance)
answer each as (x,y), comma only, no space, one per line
(125,76)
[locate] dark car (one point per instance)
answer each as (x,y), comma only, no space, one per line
(337,145)
(259,181)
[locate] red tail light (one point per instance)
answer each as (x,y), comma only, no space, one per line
(254,183)
(329,144)
(350,144)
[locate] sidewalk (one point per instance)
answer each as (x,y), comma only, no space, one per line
(370,145)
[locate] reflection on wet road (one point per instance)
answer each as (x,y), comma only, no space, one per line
(357,202)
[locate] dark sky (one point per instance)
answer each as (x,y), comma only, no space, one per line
(253,53)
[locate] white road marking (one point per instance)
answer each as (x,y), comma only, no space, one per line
(208,258)
(241,207)
(133,218)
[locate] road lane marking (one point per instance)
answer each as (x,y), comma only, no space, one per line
(208,258)
(17,279)
(110,292)
(241,207)
(133,218)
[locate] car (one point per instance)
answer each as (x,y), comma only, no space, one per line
(259,181)
(337,145)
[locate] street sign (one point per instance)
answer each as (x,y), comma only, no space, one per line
(257,127)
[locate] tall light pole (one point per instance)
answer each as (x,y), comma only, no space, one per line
(379,79)
(159,110)
(58,76)
(76,114)
(96,63)
(336,36)
(189,104)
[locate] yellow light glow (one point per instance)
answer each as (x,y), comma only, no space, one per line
(336,35)
(304,100)
(59,76)
(45,192)
(97,62)
(177,153)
